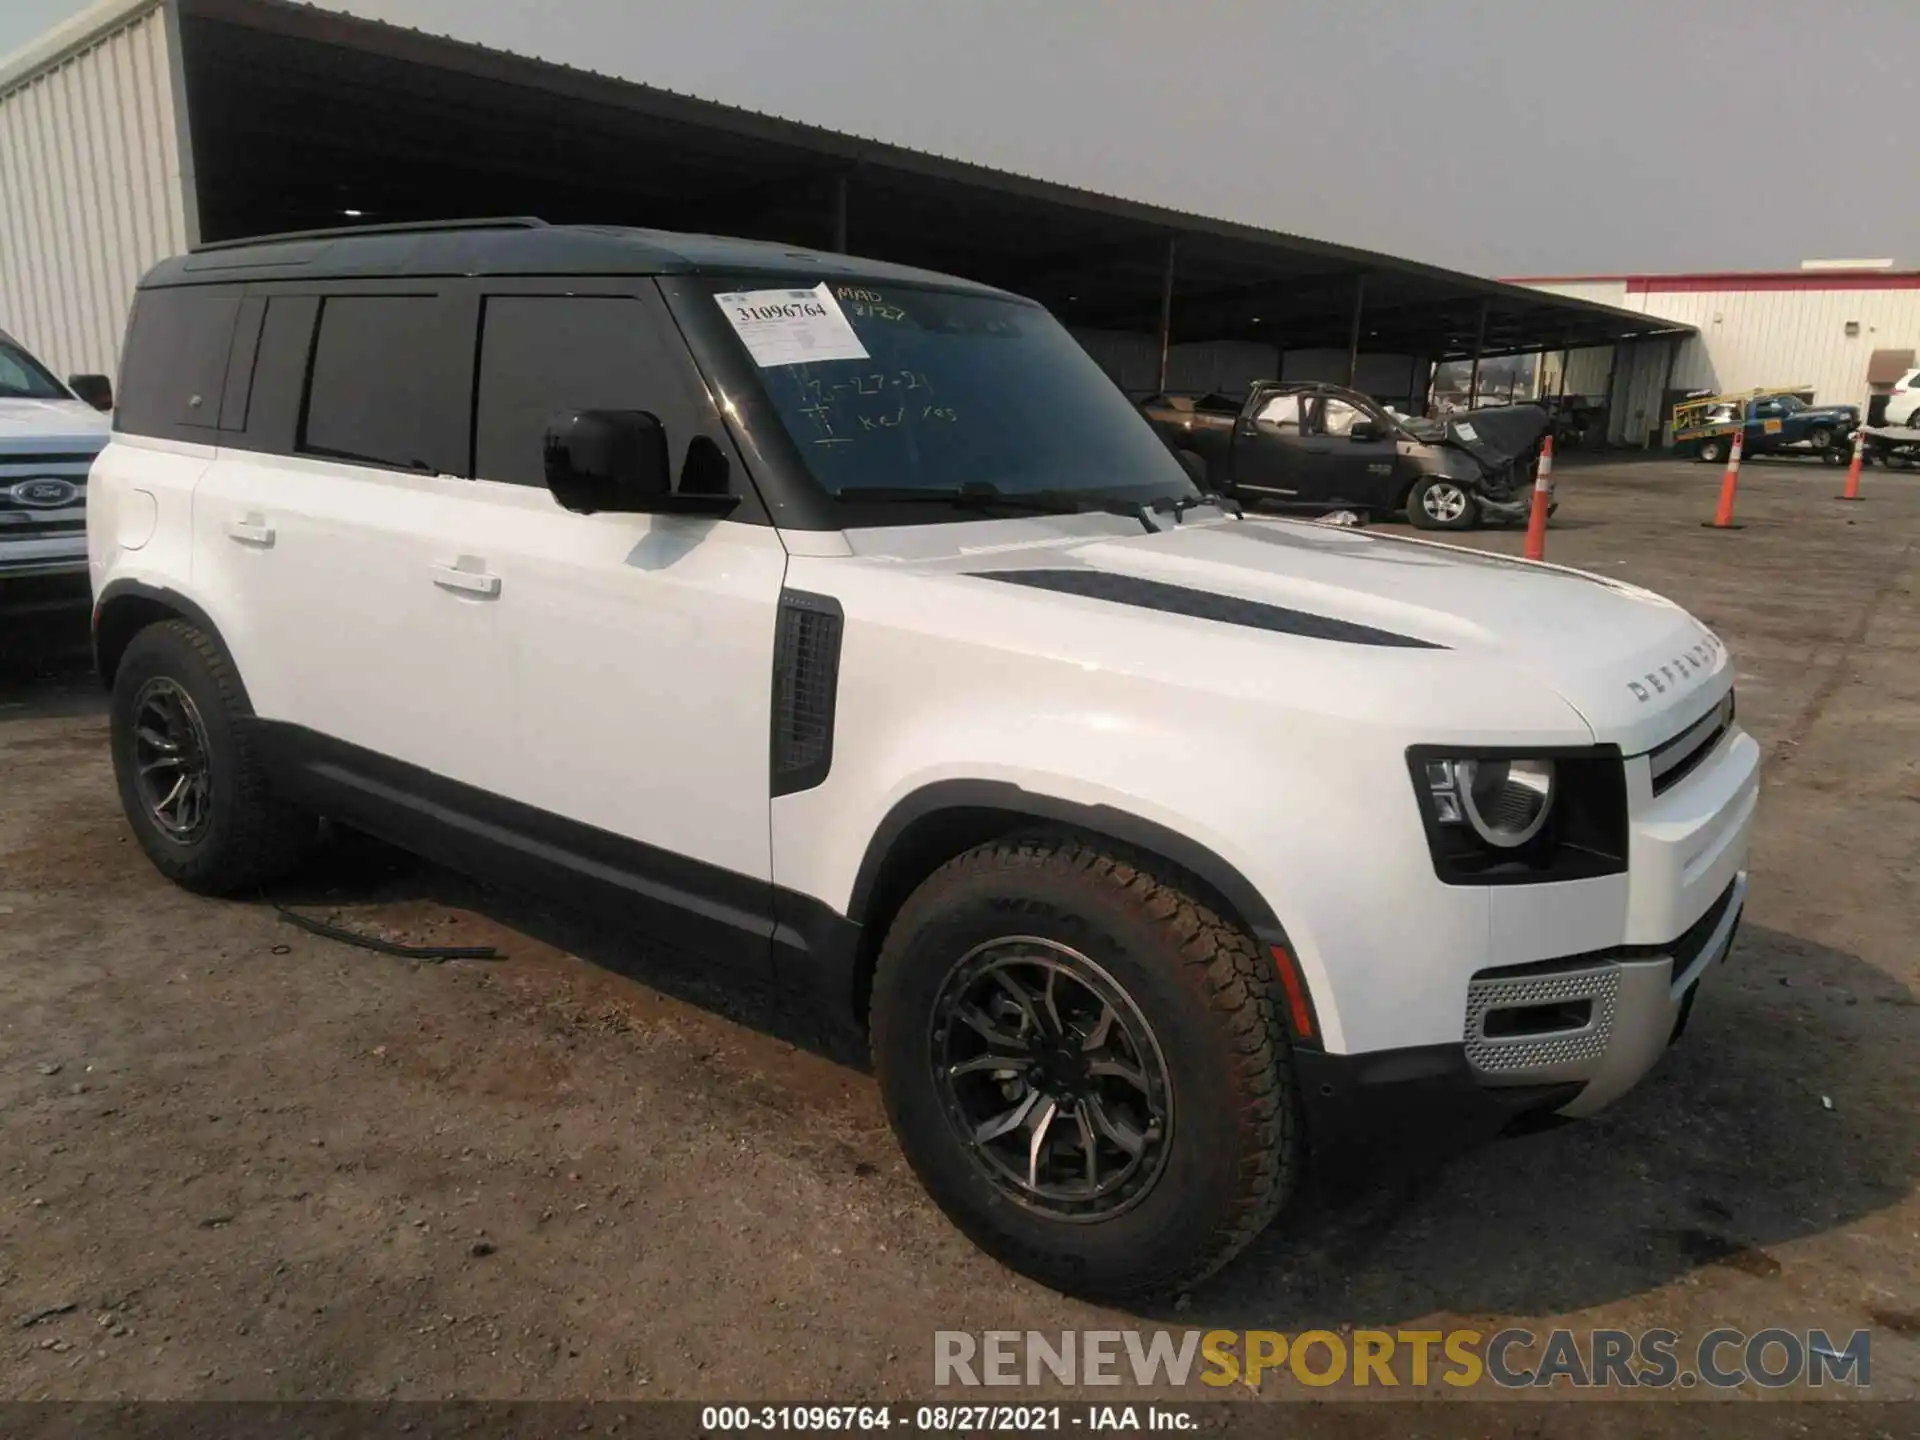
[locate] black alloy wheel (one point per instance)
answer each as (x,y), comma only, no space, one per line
(172,769)
(1052,1078)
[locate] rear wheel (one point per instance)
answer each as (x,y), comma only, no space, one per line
(1437,503)
(1711,451)
(1085,1066)
(193,790)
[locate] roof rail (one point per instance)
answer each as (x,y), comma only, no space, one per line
(402,227)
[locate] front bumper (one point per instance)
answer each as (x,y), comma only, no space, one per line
(1601,1022)
(24,554)
(1526,1057)
(43,585)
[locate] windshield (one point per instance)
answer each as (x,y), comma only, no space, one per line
(1789,403)
(23,378)
(886,388)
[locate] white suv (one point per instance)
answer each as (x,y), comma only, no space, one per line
(843,623)
(1903,404)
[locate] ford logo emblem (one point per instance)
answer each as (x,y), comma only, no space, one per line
(45,493)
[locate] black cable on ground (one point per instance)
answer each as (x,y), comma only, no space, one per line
(435,953)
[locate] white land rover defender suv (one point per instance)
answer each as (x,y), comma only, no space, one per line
(49,435)
(844,623)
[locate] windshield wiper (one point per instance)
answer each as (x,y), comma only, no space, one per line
(989,497)
(1184,503)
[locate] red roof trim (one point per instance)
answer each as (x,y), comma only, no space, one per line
(1723,280)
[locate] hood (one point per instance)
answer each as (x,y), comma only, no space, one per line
(30,424)
(1495,436)
(1635,666)
(1498,436)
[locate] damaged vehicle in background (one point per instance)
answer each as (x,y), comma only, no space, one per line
(1316,446)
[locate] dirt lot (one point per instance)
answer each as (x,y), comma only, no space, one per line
(238,1160)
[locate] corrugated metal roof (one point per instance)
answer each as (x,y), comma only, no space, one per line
(997,213)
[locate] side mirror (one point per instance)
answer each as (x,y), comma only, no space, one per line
(1195,466)
(96,390)
(616,460)
(1366,430)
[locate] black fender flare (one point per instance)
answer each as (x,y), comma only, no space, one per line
(997,807)
(1106,821)
(125,600)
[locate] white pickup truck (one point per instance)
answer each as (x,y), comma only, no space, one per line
(48,438)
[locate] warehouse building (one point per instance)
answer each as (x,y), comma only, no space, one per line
(1832,332)
(143,127)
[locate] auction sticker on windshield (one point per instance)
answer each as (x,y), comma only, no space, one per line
(791,327)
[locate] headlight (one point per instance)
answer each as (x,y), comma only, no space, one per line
(1501,818)
(1505,801)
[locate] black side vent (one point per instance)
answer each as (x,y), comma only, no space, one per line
(806,675)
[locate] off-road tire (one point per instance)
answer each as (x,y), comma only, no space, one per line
(251,836)
(1213,1001)
(1423,519)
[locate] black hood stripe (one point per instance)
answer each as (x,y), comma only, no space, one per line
(1202,605)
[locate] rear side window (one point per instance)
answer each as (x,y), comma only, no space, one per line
(542,355)
(372,388)
(174,368)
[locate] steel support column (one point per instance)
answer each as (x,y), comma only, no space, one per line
(1479,344)
(1353,332)
(1166,311)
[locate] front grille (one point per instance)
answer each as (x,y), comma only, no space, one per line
(1673,761)
(1495,1054)
(14,526)
(81,460)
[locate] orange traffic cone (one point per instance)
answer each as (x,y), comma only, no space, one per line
(1723,517)
(1542,501)
(1852,492)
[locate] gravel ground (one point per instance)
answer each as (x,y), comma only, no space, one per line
(241,1161)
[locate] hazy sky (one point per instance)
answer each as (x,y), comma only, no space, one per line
(1504,136)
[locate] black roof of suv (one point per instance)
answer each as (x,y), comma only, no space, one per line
(517,246)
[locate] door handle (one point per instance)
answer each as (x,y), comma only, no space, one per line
(251,530)
(469,581)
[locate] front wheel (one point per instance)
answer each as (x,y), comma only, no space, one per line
(1085,1065)
(1437,503)
(1820,437)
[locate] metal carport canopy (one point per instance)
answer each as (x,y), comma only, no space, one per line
(300,117)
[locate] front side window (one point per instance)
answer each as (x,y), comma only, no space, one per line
(370,392)
(1338,418)
(544,354)
(889,388)
(24,378)
(1282,412)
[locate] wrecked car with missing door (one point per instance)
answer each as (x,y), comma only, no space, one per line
(1310,446)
